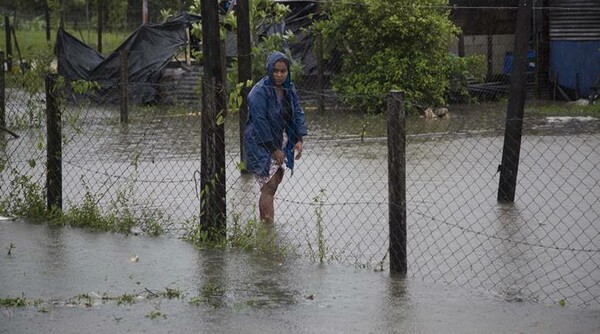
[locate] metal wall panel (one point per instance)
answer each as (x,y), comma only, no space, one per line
(574,20)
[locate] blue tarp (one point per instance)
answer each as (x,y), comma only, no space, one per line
(576,64)
(508,61)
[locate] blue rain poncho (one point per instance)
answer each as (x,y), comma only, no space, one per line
(266,121)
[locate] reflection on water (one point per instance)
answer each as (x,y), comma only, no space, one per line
(229,291)
(515,262)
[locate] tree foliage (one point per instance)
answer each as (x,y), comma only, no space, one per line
(266,34)
(389,45)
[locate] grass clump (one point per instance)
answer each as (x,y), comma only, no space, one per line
(253,235)
(19,302)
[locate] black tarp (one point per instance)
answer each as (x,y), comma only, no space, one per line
(149,49)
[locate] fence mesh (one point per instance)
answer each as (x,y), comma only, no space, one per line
(543,247)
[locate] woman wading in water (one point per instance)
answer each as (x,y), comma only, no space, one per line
(274,131)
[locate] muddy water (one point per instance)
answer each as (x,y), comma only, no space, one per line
(78,276)
(458,234)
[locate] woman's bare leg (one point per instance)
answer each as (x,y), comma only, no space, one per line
(266,206)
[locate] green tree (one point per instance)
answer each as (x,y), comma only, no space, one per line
(263,14)
(385,45)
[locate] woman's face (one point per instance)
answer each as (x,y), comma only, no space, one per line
(280,72)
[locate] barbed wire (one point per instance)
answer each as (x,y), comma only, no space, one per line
(572,249)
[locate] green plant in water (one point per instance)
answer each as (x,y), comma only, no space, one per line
(19,301)
(196,300)
(25,199)
(87,214)
(126,299)
(321,252)
(13,302)
(172,293)
(194,234)
(253,235)
(83,297)
(118,217)
(155,314)
(151,223)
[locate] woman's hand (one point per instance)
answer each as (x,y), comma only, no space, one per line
(278,156)
(298,150)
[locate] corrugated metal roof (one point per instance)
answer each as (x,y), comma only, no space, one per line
(577,20)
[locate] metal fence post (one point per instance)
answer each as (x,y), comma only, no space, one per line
(124,82)
(397,182)
(54,145)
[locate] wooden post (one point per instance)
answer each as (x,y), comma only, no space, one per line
(100,23)
(516,104)
(124,82)
(212,168)
(14,34)
(188,51)
(461,45)
(490,56)
(7,38)
(555,86)
(577,86)
(54,146)
(144,11)
(47,19)
(397,182)
(61,13)
(244,49)
(542,54)
(320,74)
(2,92)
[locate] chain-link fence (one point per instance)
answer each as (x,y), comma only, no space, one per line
(144,175)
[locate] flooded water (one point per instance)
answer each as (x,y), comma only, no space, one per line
(544,248)
(101,282)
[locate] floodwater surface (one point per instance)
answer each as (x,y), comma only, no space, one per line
(78,281)
(542,248)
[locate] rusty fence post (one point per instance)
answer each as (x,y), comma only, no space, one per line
(397,182)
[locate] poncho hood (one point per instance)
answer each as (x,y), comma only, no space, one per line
(274,57)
